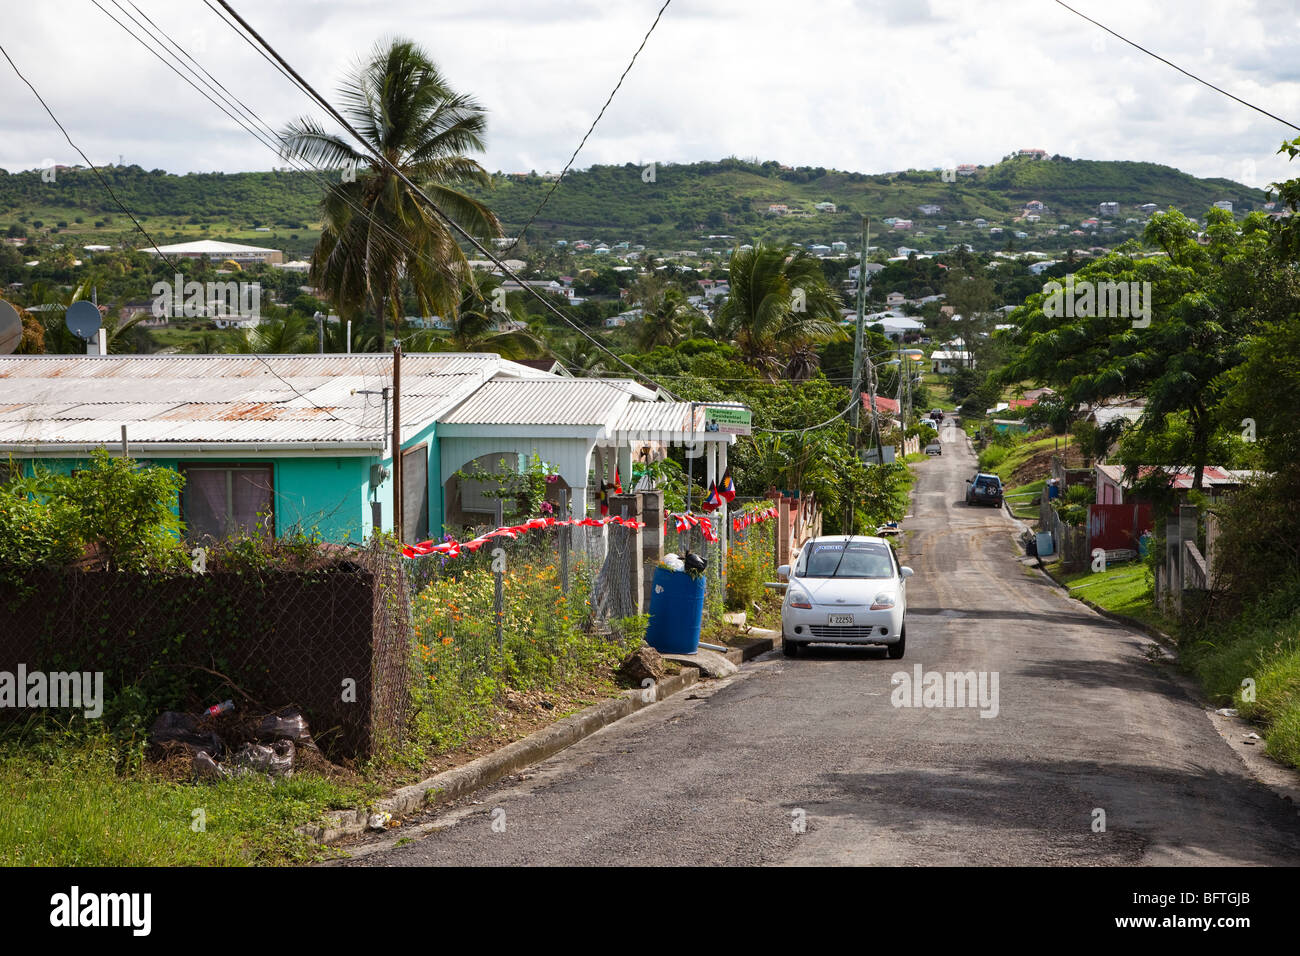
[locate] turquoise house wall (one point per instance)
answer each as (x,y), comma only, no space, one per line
(331,495)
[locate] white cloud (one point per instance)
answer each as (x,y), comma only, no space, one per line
(851,84)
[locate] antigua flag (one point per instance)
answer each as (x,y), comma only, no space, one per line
(618,483)
(728,487)
(713,501)
(603,497)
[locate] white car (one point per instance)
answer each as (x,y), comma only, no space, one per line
(845,589)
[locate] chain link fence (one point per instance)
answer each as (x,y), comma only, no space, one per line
(323,631)
(751,558)
(523,613)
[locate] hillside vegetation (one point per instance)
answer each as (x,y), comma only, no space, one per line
(679,205)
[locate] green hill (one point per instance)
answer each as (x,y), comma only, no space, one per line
(677,206)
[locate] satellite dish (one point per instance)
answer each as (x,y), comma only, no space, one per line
(11,328)
(83,319)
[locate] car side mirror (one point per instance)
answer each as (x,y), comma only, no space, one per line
(906,572)
(783,571)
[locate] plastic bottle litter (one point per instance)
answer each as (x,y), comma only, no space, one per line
(1227,712)
(220,708)
(674,563)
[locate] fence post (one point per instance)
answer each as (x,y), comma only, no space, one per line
(652,538)
(782,530)
(499,604)
(630,507)
(563,540)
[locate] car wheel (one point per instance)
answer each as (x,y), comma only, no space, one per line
(896,651)
(791,648)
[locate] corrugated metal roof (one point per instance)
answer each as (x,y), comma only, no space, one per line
(555,401)
(231,398)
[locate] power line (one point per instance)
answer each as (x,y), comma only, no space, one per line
(417,191)
(1177,67)
(103,182)
(609,99)
(244,125)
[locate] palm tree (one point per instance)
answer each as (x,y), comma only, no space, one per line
(275,335)
(779,304)
(664,322)
(403,107)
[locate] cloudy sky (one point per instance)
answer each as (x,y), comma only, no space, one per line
(867,85)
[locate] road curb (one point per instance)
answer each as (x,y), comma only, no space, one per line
(488,769)
(1149,630)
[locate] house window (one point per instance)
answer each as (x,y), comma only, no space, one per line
(221,500)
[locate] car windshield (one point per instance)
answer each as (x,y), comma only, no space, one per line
(861,560)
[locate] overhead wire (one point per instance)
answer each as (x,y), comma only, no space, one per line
(1170,63)
(98,175)
(417,191)
(556,185)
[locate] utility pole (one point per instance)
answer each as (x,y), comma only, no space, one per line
(397,439)
(857,337)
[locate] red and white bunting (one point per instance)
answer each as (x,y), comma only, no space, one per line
(453,548)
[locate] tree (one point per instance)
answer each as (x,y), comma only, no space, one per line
(664,322)
(375,228)
(1201,303)
(778,304)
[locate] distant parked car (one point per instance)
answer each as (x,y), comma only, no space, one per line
(936,414)
(934,448)
(984,489)
(845,590)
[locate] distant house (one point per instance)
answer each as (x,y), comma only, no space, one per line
(902,224)
(966,169)
(981,223)
(1148,207)
(825,207)
(947,361)
(895,299)
(905,251)
(929,209)
(1033,153)
(1113,488)
(218,252)
(818,249)
(839,248)
(1035,205)
(1108,209)
(1225,204)
(778,209)
(1038,268)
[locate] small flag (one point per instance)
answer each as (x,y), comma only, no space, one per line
(713,501)
(728,487)
(618,482)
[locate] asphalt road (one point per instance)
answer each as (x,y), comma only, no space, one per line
(1087,720)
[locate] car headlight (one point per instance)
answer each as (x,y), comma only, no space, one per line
(800,599)
(882,601)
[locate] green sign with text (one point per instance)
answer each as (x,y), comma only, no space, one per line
(729,421)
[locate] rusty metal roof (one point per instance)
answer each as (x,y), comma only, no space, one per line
(230,398)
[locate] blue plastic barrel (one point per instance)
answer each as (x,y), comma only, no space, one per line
(676,612)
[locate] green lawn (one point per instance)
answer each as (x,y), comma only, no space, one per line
(1122,588)
(71,803)
(1003,461)
(1025,508)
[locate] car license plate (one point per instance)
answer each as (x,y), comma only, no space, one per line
(840,620)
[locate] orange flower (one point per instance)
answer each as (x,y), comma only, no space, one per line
(446,641)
